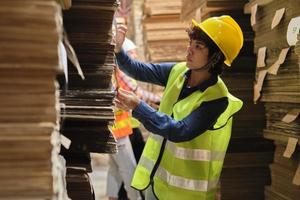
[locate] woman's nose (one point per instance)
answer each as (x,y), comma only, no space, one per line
(189,49)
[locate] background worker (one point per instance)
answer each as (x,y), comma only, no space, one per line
(130,84)
(183,158)
(126,126)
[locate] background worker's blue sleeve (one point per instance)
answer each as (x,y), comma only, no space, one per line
(200,120)
(146,72)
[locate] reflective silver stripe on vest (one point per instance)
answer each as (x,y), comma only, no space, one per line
(191,154)
(195,154)
(157,138)
(189,184)
(146,163)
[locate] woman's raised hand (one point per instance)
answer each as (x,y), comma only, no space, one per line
(120,37)
(126,100)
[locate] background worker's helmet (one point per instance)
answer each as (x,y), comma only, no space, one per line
(226,34)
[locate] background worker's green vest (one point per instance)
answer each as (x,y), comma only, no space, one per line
(134,122)
(187,170)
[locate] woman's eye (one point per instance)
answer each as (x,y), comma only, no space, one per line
(200,46)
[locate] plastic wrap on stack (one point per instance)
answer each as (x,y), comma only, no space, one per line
(30,167)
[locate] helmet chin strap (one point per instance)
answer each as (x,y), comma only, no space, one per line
(214,59)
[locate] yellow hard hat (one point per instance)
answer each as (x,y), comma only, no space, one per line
(226,34)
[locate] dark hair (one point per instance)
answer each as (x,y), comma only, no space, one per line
(215,55)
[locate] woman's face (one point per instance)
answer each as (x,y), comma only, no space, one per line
(197,54)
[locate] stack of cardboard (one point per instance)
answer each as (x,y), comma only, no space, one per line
(199,8)
(283,172)
(281,62)
(79,183)
(65,4)
(278,85)
(165,37)
(30,167)
(249,154)
(87,103)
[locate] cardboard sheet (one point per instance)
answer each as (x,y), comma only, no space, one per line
(253,14)
(290,147)
(291,116)
(274,68)
(258,85)
(296,179)
(261,55)
(66,142)
(277,17)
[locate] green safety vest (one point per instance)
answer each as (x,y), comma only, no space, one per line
(187,170)
(134,122)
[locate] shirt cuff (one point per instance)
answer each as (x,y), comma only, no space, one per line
(120,54)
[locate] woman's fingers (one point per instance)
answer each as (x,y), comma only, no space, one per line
(120,105)
(123,94)
(125,91)
(120,37)
(121,32)
(122,28)
(128,98)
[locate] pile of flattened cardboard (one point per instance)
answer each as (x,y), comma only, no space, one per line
(30,167)
(65,4)
(79,185)
(276,24)
(165,38)
(199,8)
(249,154)
(87,103)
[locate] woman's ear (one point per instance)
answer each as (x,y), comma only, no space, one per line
(215,58)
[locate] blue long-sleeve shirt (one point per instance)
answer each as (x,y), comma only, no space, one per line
(197,122)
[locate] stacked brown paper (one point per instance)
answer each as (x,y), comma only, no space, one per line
(279,61)
(197,9)
(284,184)
(283,171)
(30,167)
(249,154)
(79,183)
(165,37)
(278,86)
(65,4)
(87,103)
